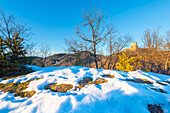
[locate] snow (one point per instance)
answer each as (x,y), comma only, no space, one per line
(115,96)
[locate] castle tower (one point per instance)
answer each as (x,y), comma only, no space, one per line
(134,46)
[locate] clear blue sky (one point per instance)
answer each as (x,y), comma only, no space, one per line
(54,20)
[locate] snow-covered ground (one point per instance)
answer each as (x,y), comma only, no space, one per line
(115,96)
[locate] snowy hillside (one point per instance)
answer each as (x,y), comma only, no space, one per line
(124,93)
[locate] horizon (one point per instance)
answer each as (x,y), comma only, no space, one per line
(53,21)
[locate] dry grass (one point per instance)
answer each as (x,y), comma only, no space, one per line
(59,88)
(17,88)
(13,87)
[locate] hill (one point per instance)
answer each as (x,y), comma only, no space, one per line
(87,90)
(67,59)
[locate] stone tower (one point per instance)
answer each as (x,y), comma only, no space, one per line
(134,46)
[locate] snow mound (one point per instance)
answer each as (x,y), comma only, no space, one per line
(116,96)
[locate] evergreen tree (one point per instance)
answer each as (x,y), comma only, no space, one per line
(3,56)
(16,49)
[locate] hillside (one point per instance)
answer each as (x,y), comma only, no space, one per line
(88,90)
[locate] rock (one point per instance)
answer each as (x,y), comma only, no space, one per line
(100,80)
(140,80)
(108,75)
(59,88)
(155,108)
(25,94)
(85,81)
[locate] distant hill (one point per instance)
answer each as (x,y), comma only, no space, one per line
(67,59)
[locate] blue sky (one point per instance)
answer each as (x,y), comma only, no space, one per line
(54,20)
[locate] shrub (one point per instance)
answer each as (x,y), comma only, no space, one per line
(125,63)
(17,72)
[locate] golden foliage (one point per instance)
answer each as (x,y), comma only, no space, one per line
(125,63)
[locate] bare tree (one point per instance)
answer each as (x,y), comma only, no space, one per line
(166,48)
(115,44)
(45,51)
(30,49)
(94,30)
(153,44)
(9,25)
(152,40)
(75,46)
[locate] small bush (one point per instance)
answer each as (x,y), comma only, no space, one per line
(59,88)
(125,63)
(18,72)
(108,75)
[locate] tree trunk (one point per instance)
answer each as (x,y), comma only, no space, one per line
(95,57)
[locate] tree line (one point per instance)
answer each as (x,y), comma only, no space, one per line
(96,37)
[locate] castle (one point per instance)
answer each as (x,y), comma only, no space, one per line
(133,47)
